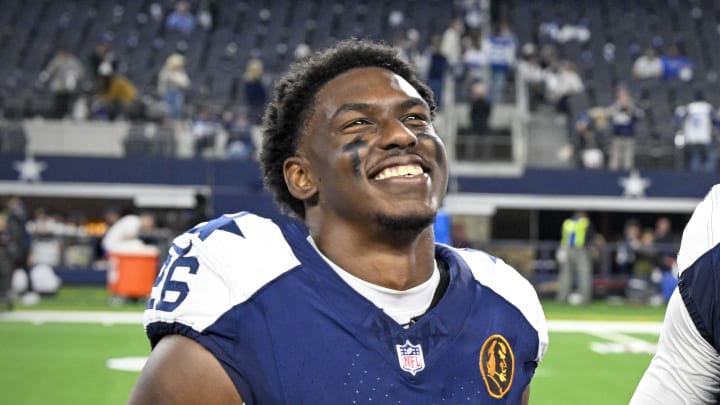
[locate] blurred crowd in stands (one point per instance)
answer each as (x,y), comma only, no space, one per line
(614,100)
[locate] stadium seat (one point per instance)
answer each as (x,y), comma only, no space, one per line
(150,140)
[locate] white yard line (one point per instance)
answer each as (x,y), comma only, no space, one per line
(596,327)
(105,318)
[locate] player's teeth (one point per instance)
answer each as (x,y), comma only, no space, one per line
(395,171)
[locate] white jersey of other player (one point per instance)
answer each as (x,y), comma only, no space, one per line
(686,367)
(698,122)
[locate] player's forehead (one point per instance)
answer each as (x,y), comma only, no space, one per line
(365,86)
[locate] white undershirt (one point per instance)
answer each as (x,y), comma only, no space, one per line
(401,306)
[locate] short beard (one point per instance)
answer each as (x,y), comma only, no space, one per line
(405,225)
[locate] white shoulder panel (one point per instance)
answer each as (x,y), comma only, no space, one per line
(220,266)
(511,285)
(685,368)
(702,232)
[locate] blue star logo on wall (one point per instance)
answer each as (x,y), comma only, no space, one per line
(634,185)
(29,169)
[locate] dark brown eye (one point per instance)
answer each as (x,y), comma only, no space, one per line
(415,119)
(356,122)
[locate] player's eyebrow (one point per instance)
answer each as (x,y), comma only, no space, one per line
(404,105)
(351,107)
(413,102)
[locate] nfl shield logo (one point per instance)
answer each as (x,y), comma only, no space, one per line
(410,357)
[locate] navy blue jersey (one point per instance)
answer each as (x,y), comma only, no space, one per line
(287,329)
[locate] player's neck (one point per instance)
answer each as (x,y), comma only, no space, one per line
(390,265)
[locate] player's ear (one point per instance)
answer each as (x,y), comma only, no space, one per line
(298,178)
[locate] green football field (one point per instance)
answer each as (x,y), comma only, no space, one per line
(597,353)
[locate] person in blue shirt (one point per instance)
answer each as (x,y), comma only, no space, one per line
(623,115)
(675,65)
(358,303)
(181,19)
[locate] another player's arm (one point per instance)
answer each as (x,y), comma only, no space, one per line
(181,371)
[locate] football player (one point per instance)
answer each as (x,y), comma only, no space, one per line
(359,304)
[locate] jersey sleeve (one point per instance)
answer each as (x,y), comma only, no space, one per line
(511,285)
(211,269)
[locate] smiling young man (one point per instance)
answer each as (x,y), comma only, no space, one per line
(359,305)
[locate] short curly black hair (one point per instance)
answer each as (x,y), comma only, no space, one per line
(293,102)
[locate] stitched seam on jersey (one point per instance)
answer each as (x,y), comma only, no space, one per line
(692,309)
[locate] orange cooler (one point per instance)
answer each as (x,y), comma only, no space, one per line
(132,274)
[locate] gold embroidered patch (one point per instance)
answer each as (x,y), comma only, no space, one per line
(497,365)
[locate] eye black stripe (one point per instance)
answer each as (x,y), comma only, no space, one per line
(353,148)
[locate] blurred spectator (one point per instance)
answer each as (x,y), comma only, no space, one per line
(501,57)
(675,65)
(531,72)
(204,128)
(127,232)
(663,231)
(255,92)
(625,255)
(17,237)
(208,14)
(646,256)
(17,219)
(101,53)
(181,19)
(64,73)
(475,58)
(117,96)
(697,121)
(173,81)
(43,224)
(548,57)
(648,65)
(450,45)
(646,275)
(240,144)
(589,130)
(156,11)
(437,67)
(623,115)
(574,259)
(412,52)
(665,242)
(561,83)
(480,109)
(6,265)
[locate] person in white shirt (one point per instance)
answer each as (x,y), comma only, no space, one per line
(125,234)
(698,119)
(648,65)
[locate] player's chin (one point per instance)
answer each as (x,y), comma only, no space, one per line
(407,221)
